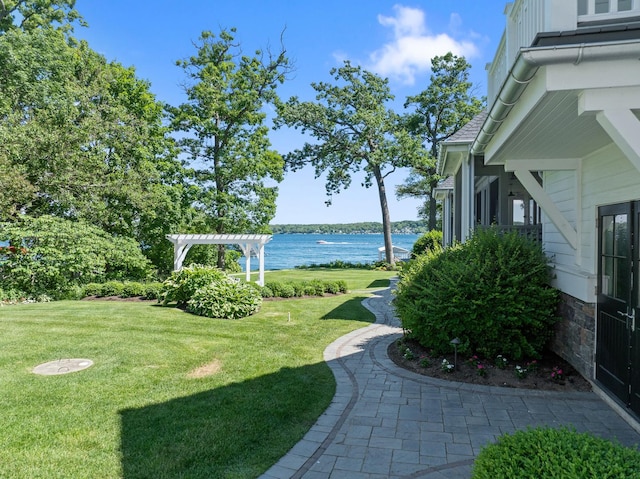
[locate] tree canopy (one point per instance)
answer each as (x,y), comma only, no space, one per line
(28,15)
(355,131)
(82,138)
(225,136)
(439,111)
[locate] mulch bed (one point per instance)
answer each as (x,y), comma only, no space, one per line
(538,377)
(133,299)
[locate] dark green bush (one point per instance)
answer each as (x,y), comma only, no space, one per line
(543,453)
(132,289)
(491,292)
(127,289)
(112,288)
(266,292)
(309,289)
(429,241)
(331,287)
(296,289)
(54,255)
(12,296)
(181,285)
(152,290)
(226,298)
(318,287)
(286,290)
(92,289)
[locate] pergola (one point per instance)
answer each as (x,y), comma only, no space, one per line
(247,243)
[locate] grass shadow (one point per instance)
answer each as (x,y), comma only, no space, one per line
(238,430)
(379,283)
(351,310)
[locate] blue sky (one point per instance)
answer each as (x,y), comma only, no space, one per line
(395,40)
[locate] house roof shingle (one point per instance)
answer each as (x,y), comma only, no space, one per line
(469,132)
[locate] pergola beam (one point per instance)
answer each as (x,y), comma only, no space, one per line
(247,242)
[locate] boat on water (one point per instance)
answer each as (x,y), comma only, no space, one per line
(322,242)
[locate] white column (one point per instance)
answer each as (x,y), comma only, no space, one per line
(261,261)
(467,199)
(247,256)
(180,251)
(447,220)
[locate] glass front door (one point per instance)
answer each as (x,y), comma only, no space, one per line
(617,354)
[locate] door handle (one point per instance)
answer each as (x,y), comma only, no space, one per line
(631,316)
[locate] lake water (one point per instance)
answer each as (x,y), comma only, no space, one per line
(285,251)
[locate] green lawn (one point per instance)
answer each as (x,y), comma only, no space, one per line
(357,279)
(140,412)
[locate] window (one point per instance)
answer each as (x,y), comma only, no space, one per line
(602,6)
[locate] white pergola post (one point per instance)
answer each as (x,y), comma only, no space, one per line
(247,258)
(261,263)
(183,242)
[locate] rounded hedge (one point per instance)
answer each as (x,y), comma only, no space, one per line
(429,241)
(227,298)
(491,292)
(544,452)
(181,285)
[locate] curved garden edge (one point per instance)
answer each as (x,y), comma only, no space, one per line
(505,379)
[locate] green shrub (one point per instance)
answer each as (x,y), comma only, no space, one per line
(309,289)
(331,287)
(55,255)
(542,453)
(92,289)
(429,241)
(298,288)
(132,289)
(181,285)
(112,288)
(287,290)
(318,287)
(12,295)
(266,292)
(152,290)
(291,289)
(225,298)
(491,292)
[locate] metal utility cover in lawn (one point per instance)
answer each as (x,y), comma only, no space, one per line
(62,366)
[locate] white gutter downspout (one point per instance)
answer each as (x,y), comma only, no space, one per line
(526,66)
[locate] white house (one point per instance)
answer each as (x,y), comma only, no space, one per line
(557,155)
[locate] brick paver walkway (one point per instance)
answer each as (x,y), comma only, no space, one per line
(387,422)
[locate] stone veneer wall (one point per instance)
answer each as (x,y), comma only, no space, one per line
(574,338)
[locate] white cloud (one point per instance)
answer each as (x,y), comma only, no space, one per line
(413,45)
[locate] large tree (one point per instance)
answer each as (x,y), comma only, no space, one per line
(82,138)
(446,105)
(355,130)
(31,14)
(224,135)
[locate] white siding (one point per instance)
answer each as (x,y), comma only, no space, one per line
(607,177)
(561,188)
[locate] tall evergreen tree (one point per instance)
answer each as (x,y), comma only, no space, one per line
(225,136)
(442,109)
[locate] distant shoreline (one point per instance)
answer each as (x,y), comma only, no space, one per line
(397,227)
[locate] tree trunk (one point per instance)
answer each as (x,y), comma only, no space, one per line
(221,258)
(386,221)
